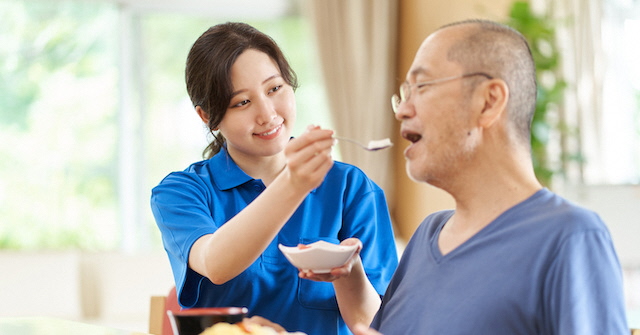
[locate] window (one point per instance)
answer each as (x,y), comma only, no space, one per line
(57,119)
(94,111)
(620,124)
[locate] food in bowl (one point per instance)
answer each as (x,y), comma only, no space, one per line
(193,321)
(319,257)
(223,328)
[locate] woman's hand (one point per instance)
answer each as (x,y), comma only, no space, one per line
(339,272)
(309,158)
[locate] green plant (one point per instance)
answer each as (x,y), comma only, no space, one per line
(540,32)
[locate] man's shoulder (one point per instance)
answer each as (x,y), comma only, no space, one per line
(559,210)
(433,222)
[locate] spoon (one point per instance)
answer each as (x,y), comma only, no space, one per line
(373,145)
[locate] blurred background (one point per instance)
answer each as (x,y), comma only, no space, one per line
(94,113)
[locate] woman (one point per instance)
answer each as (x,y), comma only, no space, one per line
(222,218)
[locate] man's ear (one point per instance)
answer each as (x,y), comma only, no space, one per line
(496,97)
(203,115)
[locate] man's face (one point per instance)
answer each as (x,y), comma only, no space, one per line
(436,118)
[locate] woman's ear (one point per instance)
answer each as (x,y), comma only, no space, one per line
(496,97)
(203,115)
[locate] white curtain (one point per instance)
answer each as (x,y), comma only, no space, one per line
(579,38)
(357,51)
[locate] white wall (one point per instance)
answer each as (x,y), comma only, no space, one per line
(619,207)
(103,288)
(40,284)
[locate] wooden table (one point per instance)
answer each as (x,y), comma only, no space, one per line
(54,326)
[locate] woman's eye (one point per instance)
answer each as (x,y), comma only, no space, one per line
(276,88)
(241,103)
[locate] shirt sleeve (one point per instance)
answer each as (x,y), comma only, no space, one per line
(179,205)
(583,291)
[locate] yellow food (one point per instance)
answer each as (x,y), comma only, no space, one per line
(223,328)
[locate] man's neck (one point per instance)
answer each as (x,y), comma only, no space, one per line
(483,195)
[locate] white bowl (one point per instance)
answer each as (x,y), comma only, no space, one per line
(319,257)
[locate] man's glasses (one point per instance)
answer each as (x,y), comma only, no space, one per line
(405,88)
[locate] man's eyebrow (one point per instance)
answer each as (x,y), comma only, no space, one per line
(418,71)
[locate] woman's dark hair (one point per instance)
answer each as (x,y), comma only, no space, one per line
(208,69)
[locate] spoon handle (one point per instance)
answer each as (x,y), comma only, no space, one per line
(373,145)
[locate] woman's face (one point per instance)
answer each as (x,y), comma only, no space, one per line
(262,111)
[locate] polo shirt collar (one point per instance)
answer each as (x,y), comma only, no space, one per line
(226,174)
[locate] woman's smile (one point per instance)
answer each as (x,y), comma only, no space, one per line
(270,134)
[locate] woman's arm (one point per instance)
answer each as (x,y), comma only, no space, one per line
(308,159)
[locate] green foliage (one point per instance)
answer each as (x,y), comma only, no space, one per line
(57,125)
(59,129)
(540,32)
(38,42)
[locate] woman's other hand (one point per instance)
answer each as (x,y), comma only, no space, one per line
(339,272)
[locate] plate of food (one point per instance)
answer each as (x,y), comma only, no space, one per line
(193,321)
(224,328)
(319,257)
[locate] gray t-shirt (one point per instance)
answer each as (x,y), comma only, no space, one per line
(545,266)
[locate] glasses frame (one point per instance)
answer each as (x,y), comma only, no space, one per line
(405,88)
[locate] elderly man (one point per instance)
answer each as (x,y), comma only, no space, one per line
(513,257)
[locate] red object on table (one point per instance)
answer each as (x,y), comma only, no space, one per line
(171,304)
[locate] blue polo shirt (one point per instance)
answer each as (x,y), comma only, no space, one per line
(200,199)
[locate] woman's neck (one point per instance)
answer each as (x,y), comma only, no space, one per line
(266,168)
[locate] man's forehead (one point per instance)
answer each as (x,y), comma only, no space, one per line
(418,70)
(431,57)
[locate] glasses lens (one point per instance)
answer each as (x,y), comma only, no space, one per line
(395,102)
(405,91)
